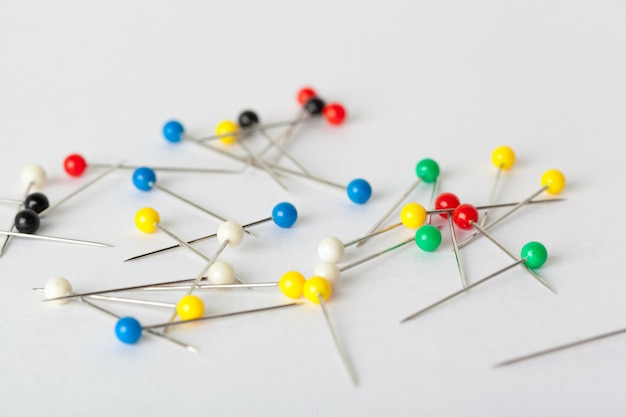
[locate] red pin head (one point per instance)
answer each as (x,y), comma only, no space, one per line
(305,94)
(75,165)
(464,215)
(334,113)
(446,201)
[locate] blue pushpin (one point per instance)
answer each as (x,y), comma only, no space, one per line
(173,131)
(128,330)
(359,191)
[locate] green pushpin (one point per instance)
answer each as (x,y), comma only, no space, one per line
(533,254)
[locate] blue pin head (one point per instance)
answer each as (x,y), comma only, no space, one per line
(284,214)
(128,330)
(173,131)
(144,178)
(359,191)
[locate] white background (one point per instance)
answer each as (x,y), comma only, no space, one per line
(449,80)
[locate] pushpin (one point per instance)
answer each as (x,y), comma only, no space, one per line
(466,215)
(503,159)
(75,166)
(57,288)
(317,290)
(552,181)
(533,255)
(128,329)
(145,179)
(36,202)
(451,201)
(559,348)
(249,118)
(231,129)
(284,215)
(427,171)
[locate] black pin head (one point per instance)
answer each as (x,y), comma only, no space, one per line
(314,106)
(248,118)
(27,221)
(37,202)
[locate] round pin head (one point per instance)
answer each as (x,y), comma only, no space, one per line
(144,178)
(27,221)
(190,307)
(413,215)
(503,157)
(74,165)
(446,201)
(331,249)
(37,202)
(221,273)
(146,219)
(359,191)
(314,106)
(464,215)
(428,238)
(230,231)
(173,131)
(329,271)
(554,180)
(535,255)
(248,118)
(284,214)
(334,113)
(291,284)
(128,330)
(427,170)
(224,128)
(58,287)
(33,174)
(305,94)
(317,285)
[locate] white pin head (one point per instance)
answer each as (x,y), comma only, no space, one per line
(221,273)
(33,175)
(58,287)
(331,249)
(327,270)
(230,231)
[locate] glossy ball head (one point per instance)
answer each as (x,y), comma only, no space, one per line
(248,118)
(305,94)
(58,287)
(428,238)
(535,254)
(27,221)
(314,106)
(37,202)
(225,127)
(427,170)
(291,284)
(284,214)
(317,285)
(554,180)
(359,191)
(144,178)
(413,215)
(221,273)
(146,219)
(331,249)
(128,330)
(464,215)
(503,157)
(329,271)
(33,174)
(446,201)
(230,231)
(190,307)
(173,131)
(334,113)
(74,165)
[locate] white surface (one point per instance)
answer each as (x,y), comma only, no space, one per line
(448,80)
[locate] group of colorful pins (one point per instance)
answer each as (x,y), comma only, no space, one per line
(293,284)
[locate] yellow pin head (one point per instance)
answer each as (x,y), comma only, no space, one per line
(413,215)
(190,307)
(146,219)
(226,127)
(317,285)
(554,180)
(291,284)
(503,157)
